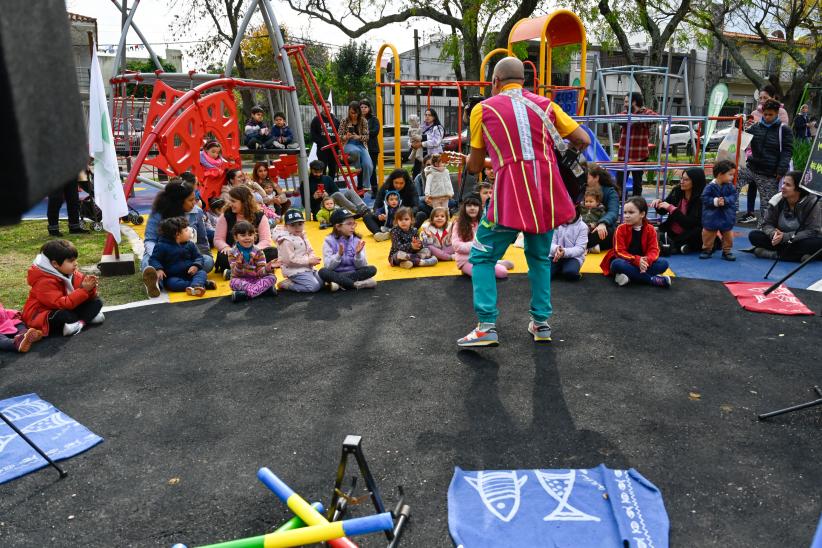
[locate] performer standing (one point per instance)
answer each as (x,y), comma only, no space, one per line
(529,194)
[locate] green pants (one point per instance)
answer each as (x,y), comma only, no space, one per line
(490,244)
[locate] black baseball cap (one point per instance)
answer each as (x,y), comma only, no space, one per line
(338,216)
(294,216)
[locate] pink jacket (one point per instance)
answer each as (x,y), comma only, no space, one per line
(462,248)
(294,252)
(9,319)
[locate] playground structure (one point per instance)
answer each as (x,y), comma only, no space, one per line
(179,121)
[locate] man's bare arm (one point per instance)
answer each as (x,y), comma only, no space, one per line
(476,160)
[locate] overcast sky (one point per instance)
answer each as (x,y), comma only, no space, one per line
(153,19)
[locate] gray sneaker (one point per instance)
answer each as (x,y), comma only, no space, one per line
(540,331)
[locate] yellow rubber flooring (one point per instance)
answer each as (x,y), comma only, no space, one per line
(377,253)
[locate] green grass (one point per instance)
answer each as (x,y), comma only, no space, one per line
(20,243)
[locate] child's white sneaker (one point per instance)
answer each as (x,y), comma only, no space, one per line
(334,286)
(70,329)
(98,319)
(382,236)
(621,279)
(366,284)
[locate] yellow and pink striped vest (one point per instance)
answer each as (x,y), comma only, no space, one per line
(529,194)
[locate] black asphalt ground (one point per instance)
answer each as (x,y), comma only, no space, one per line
(193,398)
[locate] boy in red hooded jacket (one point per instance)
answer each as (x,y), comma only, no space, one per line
(61,300)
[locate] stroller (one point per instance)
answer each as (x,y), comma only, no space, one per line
(91,212)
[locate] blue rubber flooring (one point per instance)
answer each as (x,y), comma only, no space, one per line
(746,268)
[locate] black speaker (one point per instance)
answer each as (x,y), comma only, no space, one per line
(43,143)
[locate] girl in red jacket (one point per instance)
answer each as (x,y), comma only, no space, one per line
(635,255)
(61,300)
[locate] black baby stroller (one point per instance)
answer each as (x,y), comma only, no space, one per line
(91,212)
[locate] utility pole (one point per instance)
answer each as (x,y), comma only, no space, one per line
(417,66)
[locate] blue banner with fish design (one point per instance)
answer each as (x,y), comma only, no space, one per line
(55,433)
(563,508)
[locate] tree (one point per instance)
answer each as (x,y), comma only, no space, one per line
(145,65)
(615,20)
(788,31)
(261,63)
(217,40)
(470,19)
(353,71)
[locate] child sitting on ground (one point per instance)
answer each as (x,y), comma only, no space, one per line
(296,257)
(251,275)
(14,335)
(178,262)
(61,300)
(462,237)
(719,211)
(344,263)
(257,131)
(438,183)
(568,248)
(436,235)
(592,210)
(215,168)
(282,134)
(635,254)
(216,206)
(406,247)
(324,214)
(385,214)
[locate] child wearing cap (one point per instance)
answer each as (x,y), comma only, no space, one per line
(297,258)
(345,264)
(251,275)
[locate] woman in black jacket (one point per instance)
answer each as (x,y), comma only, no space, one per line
(400,181)
(319,138)
(683,206)
(373,140)
(792,226)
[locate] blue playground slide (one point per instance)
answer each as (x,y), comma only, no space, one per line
(597,153)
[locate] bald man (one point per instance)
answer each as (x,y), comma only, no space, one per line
(528,195)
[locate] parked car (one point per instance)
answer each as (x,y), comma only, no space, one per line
(680,136)
(719,136)
(388,141)
(456,143)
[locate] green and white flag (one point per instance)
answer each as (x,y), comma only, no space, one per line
(108,187)
(718,97)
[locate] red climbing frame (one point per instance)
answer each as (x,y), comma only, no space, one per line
(297,51)
(177,126)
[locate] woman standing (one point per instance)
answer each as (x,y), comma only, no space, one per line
(373,139)
(432,133)
(354,135)
(682,230)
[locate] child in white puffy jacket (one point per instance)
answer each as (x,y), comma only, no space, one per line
(438,183)
(296,256)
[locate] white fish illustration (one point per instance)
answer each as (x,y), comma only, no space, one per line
(25,408)
(500,491)
(559,486)
(57,420)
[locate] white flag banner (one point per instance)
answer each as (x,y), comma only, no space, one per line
(108,187)
(312,154)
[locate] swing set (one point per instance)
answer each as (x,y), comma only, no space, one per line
(187,108)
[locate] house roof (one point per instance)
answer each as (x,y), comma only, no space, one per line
(81,18)
(805,40)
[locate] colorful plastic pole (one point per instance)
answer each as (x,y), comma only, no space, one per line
(306,513)
(296,522)
(300,507)
(313,534)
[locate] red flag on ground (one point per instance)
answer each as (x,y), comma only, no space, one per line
(781,301)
